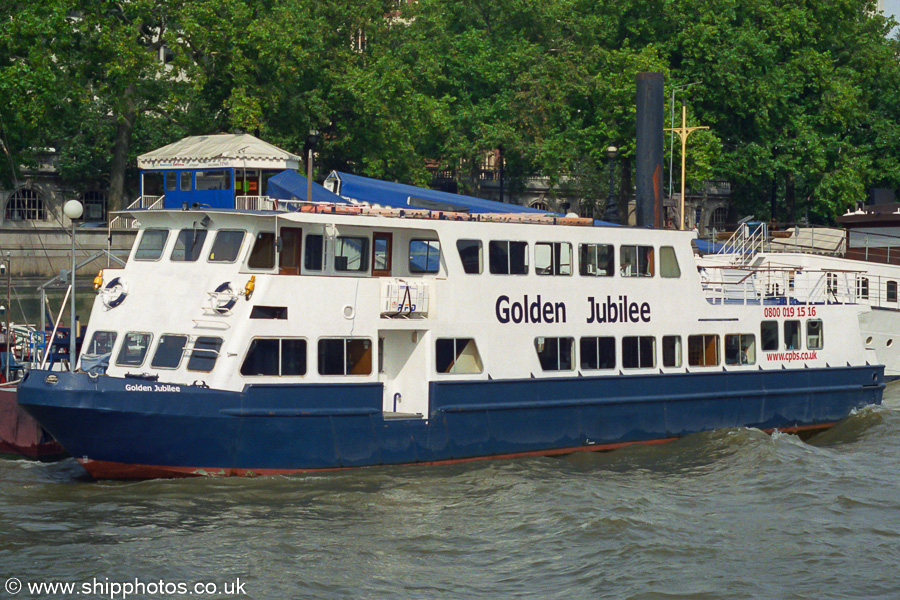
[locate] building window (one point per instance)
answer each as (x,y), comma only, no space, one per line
(25,205)
(555,354)
(598,353)
(553,258)
(457,356)
(703,350)
(94,206)
(740,349)
(719,217)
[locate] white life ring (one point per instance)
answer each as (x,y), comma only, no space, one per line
(114,293)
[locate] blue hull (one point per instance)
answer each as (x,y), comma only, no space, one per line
(132,428)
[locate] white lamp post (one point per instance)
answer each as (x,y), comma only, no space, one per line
(73,209)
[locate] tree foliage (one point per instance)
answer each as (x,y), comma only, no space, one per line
(799,96)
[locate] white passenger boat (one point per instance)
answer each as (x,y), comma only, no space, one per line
(250,343)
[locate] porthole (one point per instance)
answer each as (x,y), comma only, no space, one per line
(889,343)
(868,340)
(348,312)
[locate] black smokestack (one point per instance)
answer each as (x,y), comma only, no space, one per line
(649,149)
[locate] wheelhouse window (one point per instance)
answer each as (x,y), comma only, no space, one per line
(424,256)
(555,353)
(262,256)
(345,356)
(226,246)
(204,354)
(636,261)
(598,353)
(597,260)
(188,245)
(553,258)
(314,252)
(457,356)
(768,335)
(169,351)
(671,351)
(102,342)
(351,254)
(639,352)
(212,180)
(703,350)
(740,349)
(185,177)
(152,243)
(134,349)
(792,335)
(814,338)
(668,262)
(470,255)
(508,258)
(275,356)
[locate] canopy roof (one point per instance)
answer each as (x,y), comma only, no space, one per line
(291,185)
(225,150)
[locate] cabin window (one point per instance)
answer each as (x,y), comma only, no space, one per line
(792,335)
(470,255)
(768,335)
(457,356)
(597,260)
(275,356)
(740,349)
(345,356)
(636,261)
(351,254)
(424,256)
(171,181)
(152,243)
(703,350)
(639,352)
(814,339)
(508,258)
(134,349)
(831,283)
(213,180)
(263,254)
(862,287)
(555,354)
(891,291)
(598,353)
(668,262)
(314,252)
(188,245)
(169,351)
(671,351)
(204,354)
(553,258)
(226,246)
(269,312)
(102,342)
(185,177)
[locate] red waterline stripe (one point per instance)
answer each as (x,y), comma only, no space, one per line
(100,469)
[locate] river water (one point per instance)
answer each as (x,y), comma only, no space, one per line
(726,515)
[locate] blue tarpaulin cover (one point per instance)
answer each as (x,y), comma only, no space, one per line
(291,185)
(399,195)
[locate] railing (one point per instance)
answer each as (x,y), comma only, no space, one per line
(255,203)
(738,284)
(747,240)
(145,202)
